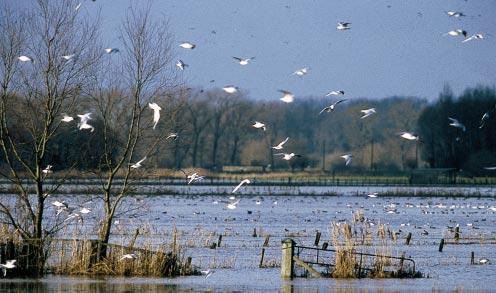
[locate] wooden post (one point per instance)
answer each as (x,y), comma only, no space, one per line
(219,241)
(441,245)
(402,260)
(260,265)
(287,265)
(254,232)
(188,262)
(266,242)
(317,239)
(472,258)
(174,239)
(408,238)
(133,241)
(360,267)
(457,233)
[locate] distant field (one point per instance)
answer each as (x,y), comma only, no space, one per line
(306,178)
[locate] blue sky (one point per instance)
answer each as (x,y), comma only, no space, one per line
(395,50)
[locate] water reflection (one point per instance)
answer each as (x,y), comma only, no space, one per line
(22,285)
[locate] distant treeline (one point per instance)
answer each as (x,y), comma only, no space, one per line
(215,130)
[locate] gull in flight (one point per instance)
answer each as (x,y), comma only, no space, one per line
(138,164)
(111,50)
(233,205)
(343,26)
(474,37)
(367,112)
(286,156)
(280,145)
(67,118)
(194,177)
(47,170)
(409,136)
(331,108)
(187,45)
(83,124)
(347,158)
(129,256)
(456,123)
(10,264)
(172,136)
(68,57)
(259,125)
(335,93)
(244,181)
(86,126)
(455,14)
(181,65)
(287,96)
(230,89)
(85,211)
(456,32)
(207,273)
(156,113)
(483,119)
(243,61)
(301,72)
(59,204)
(25,58)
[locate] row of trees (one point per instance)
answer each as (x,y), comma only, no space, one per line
(215,129)
(469,149)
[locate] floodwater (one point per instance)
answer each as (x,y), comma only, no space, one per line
(200,220)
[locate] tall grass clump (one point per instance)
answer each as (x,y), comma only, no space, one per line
(81,257)
(342,240)
(349,263)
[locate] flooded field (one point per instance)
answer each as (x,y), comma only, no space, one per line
(200,220)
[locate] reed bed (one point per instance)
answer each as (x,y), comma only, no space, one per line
(81,256)
(349,263)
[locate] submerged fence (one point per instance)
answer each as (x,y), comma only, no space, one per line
(357,264)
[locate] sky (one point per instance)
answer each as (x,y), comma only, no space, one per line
(393,47)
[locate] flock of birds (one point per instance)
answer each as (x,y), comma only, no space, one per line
(287,97)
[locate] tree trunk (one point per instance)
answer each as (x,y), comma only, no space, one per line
(234,150)
(194,153)
(101,252)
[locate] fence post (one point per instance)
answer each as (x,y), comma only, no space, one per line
(402,260)
(260,265)
(441,245)
(266,242)
(317,239)
(408,238)
(219,240)
(287,265)
(457,233)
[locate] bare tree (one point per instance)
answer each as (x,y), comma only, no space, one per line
(34,93)
(142,73)
(239,119)
(222,106)
(199,117)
